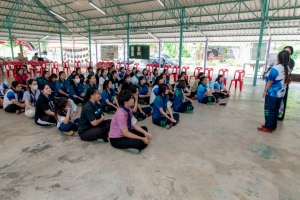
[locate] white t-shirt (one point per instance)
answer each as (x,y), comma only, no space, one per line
(62,118)
(101,80)
(152,97)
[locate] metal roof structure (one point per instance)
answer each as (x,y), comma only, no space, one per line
(216,20)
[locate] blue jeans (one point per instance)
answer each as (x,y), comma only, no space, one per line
(69,126)
(272,105)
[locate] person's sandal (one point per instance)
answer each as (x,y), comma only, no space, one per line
(100,140)
(69,133)
(264,129)
(133,150)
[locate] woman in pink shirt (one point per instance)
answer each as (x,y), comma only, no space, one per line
(124,132)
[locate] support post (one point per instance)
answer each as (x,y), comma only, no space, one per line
(128,36)
(40,48)
(124,49)
(264,14)
(96,52)
(74,53)
(61,49)
(268,52)
(180,39)
(90,42)
(159,53)
(205,54)
(11,45)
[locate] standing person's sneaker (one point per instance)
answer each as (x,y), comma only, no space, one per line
(264,129)
(20,111)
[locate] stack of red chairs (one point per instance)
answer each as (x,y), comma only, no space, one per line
(33,69)
(209,73)
(66,67)
(54,67)
(77,64)
(43,67)
(100,65)
(197,71)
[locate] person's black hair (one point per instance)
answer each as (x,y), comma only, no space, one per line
(73,72)
(14,84)
(73,84)
(60,104)
(158,78)
(179,77)
(136,72)
(141,78)
(181,84)
(89,92)
(114,72)
(77,70)
(126,77)
(89,77)
(144,71)
(18,69)
(102,71)
(42,86)
(155,71)
(182,73)
(44,73)
(162,88)
(133,88)
(284,59)
(51,83)
(122,68)
(291,48)
(200,74)
(97,71)
(29,82)
(90,68)
(202,79)
(60,73)
(105,84)
(219,76)
(124,96)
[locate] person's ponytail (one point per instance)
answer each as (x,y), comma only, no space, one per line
(284,60)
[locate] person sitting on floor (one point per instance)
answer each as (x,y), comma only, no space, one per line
(154,75)
(109,101)
(90,71)
(135,78)
(76,90)
(139,112)
(145,74)
(103,77)
(115,81)
(122,72)
(12,102)
(159,80)
(62,86)
(144,95)
(65,112)
(181,102)
(78,71)
(195,86)
(127,82)
(133,71)
(21,77)
(91,83)
(44,79)
(219,87)
(203,95)
(97,75)
(30,97)
(160,106)
(124,131)
(71,76)
(44,108)
(3,90)
(92,125)
(52,83)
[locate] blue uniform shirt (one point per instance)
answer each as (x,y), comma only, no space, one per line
(79,91)
(122,74)
(3,87)
(60,85)
(143,89)
(202,89)
(218,85)
(178,98)
(159,102)
(278,88)
(90,86)
(107,95)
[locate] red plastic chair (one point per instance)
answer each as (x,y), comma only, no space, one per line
(224,72)
(9,67)
(66,67)
(197,71)
(209,73)
(175,69)
(149,67)
(167,67)
(88,64)
(127,65)
(77,64)
(54,67)
(110,64)
(238,78)
(33,69)
(185,69)
(136,65)
(119,65)
(43,67)
(100,65)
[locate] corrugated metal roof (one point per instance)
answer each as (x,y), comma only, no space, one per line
(219,20)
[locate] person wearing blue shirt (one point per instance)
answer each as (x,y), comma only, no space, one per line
(127,82)
(108,100)
(76,90)
(158,81)
(276,79)
(90,71)
(203,95)
(62,86)
(3,90)
(160,106)
(70,76)
(122,72)
(135,78)
(154,75)
(182,103)
(145,74)
(12,102)
(91,83)
(219,87)
(115,81)
(44,79)
(144,95)
(139,112)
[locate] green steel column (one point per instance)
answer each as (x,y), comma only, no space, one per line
(264,14)
(128,36)
(90,43)
(11,45)
(61,49)
(181,36)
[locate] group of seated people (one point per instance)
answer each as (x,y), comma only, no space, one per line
(52,101)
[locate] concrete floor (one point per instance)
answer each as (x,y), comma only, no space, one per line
(214,153)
